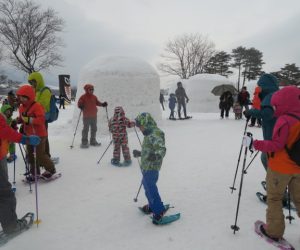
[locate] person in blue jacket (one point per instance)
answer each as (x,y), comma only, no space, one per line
(172,104)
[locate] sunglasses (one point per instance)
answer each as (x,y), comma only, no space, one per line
(91,89)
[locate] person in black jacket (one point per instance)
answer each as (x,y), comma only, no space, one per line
(244,98)
(226,102)
(182,99)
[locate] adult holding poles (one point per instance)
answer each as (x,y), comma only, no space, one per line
(283,165)
(182,100)
(88,103)
(10,223)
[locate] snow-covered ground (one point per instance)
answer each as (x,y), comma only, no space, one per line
(91,206)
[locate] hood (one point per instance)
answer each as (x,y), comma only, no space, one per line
(27,90)
(119,113)
(37,76)
(88,86)
(286,100)
(257,90)
(5,107)
(268,84)
(145,120)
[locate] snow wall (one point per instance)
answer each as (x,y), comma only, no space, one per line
(121,81)
(198,89)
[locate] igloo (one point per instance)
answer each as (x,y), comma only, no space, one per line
(121,81)
(198,89)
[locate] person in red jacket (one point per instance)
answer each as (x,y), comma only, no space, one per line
(8,217)
(32,115)
(256,105)
(88,103)
(282,170)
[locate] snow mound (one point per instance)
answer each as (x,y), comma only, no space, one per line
(122,81)
(198,89)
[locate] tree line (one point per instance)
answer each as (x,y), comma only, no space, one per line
(29,41)
(191,54)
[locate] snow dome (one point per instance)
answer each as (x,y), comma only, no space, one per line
(121,81)
(198,89)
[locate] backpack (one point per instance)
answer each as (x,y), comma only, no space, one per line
(294,150)
(53,113)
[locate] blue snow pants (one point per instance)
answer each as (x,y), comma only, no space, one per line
(150,178)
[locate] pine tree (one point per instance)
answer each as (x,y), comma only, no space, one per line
(219,64)
(238,56)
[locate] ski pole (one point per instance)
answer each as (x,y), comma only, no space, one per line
(235,227)
(251,162)
(37,221)
(137,136)
(136,198)
(289,217)
(107,119)
(76,130)
(26,167)
(104,152)
(238,162)
(14,182)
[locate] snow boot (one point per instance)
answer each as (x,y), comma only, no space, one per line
(115,162)
(84,145)
(95,143)
(126,163)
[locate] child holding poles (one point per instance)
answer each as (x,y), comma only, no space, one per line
(152,154)
(32,115)
(282,171)
(117,126)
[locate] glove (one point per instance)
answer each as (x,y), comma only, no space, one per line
(31,140)
(81,106)
(248,117)
(247,141)
(152,157)
(187,100)
(136,153)
(104,104)
(26,119)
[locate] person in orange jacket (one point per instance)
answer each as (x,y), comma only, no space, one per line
(32,115)
(282,170)
(8,217)
(88,103)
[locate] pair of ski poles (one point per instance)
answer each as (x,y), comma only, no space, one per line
(244,171)
(72,145)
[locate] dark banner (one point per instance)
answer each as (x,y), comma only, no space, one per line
(65,86)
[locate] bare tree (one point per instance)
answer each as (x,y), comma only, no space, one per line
(29,34)
(186,56)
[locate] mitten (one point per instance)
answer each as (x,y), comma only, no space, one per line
(31,140)
(104,104)
(136,153)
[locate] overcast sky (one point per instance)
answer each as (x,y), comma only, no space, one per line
(141,28)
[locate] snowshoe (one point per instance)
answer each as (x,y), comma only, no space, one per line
(281,243)
(126,163)
(166,219)
(50,177)
(55,160)
(263,198)
(95,143)
(23,224)
(84,145)
(115,162)
(147,210)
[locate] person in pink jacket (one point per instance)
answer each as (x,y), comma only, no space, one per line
(282,170)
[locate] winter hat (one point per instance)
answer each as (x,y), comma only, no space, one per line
(268,83)
(5,107)
(27,90)
(179,84)
(145,120)
(37,76)
(286,100)
(88,86)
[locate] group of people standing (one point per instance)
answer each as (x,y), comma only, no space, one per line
(32,101)
(239,103)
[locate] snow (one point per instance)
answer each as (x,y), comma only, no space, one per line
(198,88)
(110,75)
(91,206)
